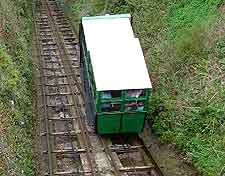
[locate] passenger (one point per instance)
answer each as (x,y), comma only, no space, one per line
(106,95)
(132,106)
(61,115)
(135,106)
(106,107)
(140,107)
(135,93)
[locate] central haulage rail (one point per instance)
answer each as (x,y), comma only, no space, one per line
(68,146)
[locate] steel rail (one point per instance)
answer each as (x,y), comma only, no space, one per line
(111,159)
(74,31)
(63,54)
(44,99)
(128,153)
(126,149)
(69,131)
(148,153)
(47,131)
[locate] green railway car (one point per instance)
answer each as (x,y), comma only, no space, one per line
(114,75)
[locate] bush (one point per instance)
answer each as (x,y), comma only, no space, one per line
(15,88)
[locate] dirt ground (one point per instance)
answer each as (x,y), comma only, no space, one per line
(168,158)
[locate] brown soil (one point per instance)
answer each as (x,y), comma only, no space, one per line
(171,162)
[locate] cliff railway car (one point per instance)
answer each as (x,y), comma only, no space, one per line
(114,75)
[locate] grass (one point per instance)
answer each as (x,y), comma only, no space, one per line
(184,44)
(188,100)
(185,14)
(15,88)
(188,78)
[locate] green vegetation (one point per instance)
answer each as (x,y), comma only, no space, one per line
(184,43)
(15,88)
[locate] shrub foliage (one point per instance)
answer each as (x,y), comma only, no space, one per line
(15,88)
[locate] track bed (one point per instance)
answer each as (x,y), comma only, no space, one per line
(67,144)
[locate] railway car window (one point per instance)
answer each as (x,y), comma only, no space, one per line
(106,95)
(110,107)
(111,94)
(134,106)
(135,93)
(116,93)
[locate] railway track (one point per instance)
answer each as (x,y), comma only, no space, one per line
(64,139)
(130,156)
(68,146)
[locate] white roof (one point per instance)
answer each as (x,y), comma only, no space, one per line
(116,55)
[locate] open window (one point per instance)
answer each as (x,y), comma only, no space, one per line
(134,106)
(137,93)
(110,107)
(111,94)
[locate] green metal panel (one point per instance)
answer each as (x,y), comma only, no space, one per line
(132,122)
(108,123)
(147,99)
(126,122)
